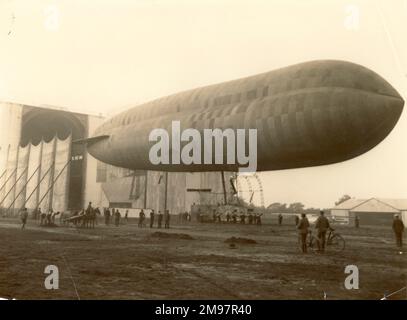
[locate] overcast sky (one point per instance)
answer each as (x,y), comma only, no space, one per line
(103,56)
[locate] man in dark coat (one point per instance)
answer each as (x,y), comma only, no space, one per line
(302,227)
(160,219)
(322,225)
(152,218)
(280,219)
(398,228)
(167,219)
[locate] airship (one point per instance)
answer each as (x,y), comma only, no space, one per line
(308,114)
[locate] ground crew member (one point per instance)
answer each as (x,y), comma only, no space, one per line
(227,217)
(297,220)
(250,218)
(242,218)
(41,216)
(167,219)
(160,219)
(107,216)
(117,217)
(126,216)
(23,217)
(49,217)
(152,218)
(398,228)
(356,221)
(302,227)
(322,225)
(259,218)
(280,219)
(89,208)
(141,218)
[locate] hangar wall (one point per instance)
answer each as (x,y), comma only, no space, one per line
(134,190)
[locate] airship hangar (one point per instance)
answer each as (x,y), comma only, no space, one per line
(44,168)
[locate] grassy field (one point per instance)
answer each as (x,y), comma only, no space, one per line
(130,263)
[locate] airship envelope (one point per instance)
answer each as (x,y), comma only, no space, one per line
(309,114)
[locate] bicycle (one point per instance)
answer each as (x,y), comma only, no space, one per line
(334,242)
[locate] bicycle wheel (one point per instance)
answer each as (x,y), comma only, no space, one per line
(336,243)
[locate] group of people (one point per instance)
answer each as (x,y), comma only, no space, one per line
(44,218)
(250,217)
(160,217)
(112,213)
(234,217)
(321,225)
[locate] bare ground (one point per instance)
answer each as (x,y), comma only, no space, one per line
(130,263)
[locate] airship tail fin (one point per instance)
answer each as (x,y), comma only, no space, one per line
(91,140)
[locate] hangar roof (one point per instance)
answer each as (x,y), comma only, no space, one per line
(349,204)
(373,204)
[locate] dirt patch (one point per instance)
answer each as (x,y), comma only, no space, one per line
(165,235)
(237,240)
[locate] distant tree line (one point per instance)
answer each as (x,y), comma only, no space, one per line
(296,207)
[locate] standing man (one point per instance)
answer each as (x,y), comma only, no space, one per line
(105,215)
(141,218)
(49,216)
(126,216)
(302,227)
(398,228)
(297,220)
(108,216)
(43,217)
(89,209)
(117,217)
(259,218)
(160,219)
(23,217)
(152,219)
(167,219)
(280,219)
(250,218)
(322,225)
(242,218)
(39,214)
(356,221)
